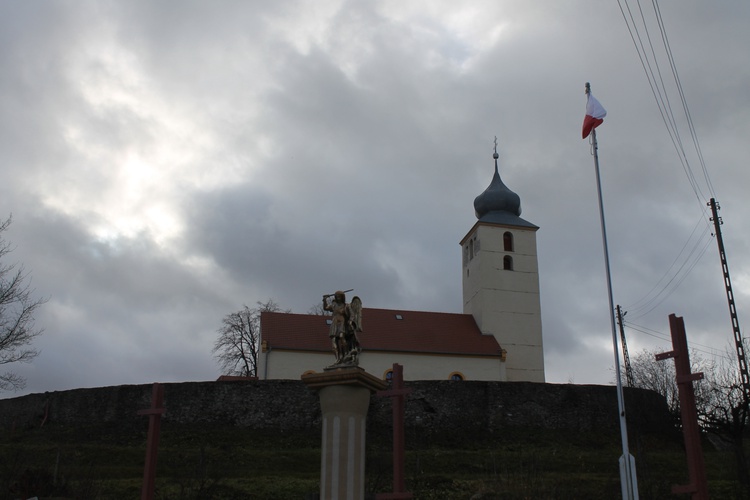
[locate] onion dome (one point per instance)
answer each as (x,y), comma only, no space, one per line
(497,197)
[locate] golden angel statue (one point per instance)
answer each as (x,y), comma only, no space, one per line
(346,324)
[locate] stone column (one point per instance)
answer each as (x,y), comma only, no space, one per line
(344,400)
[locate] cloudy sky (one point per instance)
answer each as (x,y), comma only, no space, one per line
(167,162)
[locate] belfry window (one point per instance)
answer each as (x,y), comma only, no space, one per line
(508,241)
(508,263)
(471,249)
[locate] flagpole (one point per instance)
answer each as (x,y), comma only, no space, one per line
(628,478)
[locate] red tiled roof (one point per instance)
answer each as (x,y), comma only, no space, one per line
(416,331)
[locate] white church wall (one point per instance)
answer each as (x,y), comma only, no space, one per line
(504,301)
(525,363)
(283,364)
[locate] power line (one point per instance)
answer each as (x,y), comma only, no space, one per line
(685,107)
(666,338)
(637,304)
(650,64)
(637,23)
(681,279)
(673,280)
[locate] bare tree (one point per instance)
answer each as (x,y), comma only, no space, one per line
(725,413)
(17,308)
(659,376)
(718,398)
(318,310)
(236,349)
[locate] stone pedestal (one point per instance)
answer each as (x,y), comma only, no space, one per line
(344,400)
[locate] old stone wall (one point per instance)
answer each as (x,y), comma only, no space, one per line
(287,405)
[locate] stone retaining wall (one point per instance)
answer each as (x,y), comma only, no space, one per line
(287,405)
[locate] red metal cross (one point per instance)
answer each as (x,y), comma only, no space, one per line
(398,394)
(152,446)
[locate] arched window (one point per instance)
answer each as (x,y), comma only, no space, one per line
(471,249)
(508,263)
(388,375)
(456,376)
(508,241)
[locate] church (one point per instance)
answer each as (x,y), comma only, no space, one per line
(497,338)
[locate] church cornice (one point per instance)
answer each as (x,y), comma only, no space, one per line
(524,226)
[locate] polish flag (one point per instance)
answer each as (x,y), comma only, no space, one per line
(595,114)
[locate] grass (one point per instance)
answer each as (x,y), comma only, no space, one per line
(221,462)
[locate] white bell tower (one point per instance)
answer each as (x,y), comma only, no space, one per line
(501,279)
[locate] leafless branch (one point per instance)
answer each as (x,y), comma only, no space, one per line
(236,348)
(17,309)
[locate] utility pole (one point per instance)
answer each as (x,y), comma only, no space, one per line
(739,345)
(625,356)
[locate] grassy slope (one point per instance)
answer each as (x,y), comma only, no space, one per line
(228,463)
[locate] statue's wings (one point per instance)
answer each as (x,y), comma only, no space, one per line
(356,313)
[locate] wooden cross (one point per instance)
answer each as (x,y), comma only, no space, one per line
(398,394)
(152,446)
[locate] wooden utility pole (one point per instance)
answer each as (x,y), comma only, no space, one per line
(744,376)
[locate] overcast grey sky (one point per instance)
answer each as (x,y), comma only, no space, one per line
(167,162)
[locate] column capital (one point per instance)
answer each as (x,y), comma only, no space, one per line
(344,376)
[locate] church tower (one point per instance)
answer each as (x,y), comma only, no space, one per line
(501,279)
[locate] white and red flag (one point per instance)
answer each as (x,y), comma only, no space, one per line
(595,114)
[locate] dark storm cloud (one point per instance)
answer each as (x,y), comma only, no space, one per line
(167,163)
